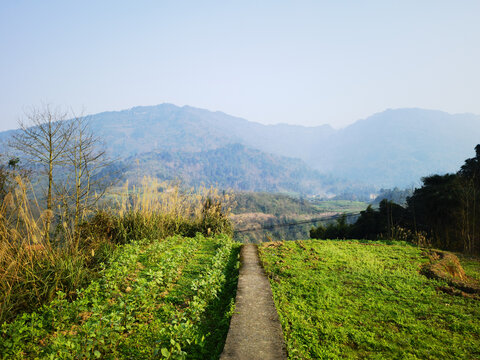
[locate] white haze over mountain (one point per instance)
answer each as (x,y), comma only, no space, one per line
(391,148)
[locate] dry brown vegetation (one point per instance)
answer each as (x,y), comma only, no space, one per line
(446,266)
(34,267)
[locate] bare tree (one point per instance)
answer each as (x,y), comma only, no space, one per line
(43,139)
(84,185)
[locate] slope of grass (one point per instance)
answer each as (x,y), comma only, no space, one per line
(340,205)
(471,265)
(349,299)
(164,299)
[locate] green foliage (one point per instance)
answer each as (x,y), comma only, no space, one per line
(257,210)
(339,229)
(366,300)
(154,300)
(396,195)
(275,204)
(446,207)
(318,232)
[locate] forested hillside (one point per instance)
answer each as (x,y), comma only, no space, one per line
(388,149)
(233,167)
(391,148)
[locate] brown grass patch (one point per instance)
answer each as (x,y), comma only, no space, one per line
(446,266)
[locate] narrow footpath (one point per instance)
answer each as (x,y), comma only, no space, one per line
(255,331)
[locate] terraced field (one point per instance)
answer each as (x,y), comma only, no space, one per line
(165,299)
(367,300)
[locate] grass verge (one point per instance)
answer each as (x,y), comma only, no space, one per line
(349,299)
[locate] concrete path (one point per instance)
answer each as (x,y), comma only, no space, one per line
(255,331)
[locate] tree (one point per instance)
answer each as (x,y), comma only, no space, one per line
(471,168)
(43,139)
(83,185)
(437,208)
(369,224)
(318,232)
(469,175)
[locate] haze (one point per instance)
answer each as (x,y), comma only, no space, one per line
(302,62)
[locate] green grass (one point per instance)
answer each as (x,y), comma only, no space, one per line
(340,205)
(471,265)
(366,300)
(168,299)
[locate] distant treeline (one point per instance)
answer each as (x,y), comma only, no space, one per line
(281,216)
(272,203)
(444,213)
(259,210)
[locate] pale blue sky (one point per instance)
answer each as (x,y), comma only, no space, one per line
(298,62)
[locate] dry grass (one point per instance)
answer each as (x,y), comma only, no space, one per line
(159,209)
(447,267)
(33,269)
(30,267)
(154,197)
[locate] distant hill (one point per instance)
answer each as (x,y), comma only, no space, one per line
(388,149)
(391,148)
(398,147)
(188,129)
(234,167)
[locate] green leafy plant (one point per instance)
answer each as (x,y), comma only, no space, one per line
(154,300)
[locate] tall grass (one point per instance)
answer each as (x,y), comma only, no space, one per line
(156,210)
(33,269)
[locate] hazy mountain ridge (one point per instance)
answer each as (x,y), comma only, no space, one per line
(398,147)
(168,127)
(387,149)
(391,148)
(234,167)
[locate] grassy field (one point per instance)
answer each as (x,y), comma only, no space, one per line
(164,299)
(340,206)
(471,265)
(349,299)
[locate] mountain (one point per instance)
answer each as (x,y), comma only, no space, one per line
(234,167)
(398,147)
(391,148)
(169,127)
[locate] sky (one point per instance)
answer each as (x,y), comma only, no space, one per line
(296,62)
